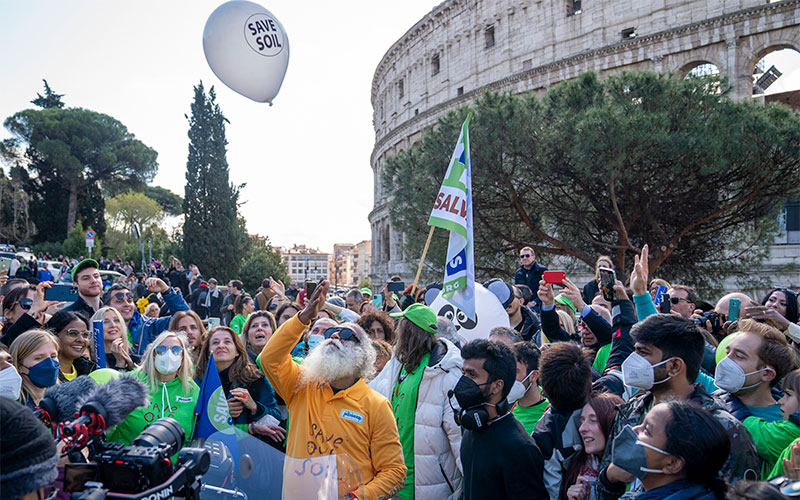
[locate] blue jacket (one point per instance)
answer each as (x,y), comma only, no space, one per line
(142,330)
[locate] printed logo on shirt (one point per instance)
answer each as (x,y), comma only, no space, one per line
(352,416)
(184,400)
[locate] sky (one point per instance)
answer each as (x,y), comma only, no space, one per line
(305,159)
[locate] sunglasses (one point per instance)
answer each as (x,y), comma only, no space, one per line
(677,300)
(162,349)
(25,303)
(76,333)
(122,295)
(344,333)
(525,256)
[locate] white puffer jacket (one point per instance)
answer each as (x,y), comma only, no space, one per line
(437,438)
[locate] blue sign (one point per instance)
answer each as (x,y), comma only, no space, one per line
(89,234)
(99,346)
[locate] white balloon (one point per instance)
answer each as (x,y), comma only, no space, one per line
(247,48)
(489,313)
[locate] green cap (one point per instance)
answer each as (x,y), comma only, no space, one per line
(366,291)
(84,264)
(566,301)
(421,315)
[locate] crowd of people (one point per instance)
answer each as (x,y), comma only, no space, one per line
(613,390)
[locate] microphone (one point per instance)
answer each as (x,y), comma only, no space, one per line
(109,405)
(62,401)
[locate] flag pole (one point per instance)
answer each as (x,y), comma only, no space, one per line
(422,260)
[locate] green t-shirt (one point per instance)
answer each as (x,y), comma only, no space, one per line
(528,416)
(404,407)
(602,358)
(237,323)
(773,442)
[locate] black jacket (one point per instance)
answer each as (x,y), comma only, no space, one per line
(83,366)
(502,462)
(80,305)
(17,328)
(531,278)
(530,327)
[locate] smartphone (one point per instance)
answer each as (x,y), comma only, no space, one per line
(734,305)
(554,277)
(213,322)
(395,286)
(310,287)
(665,304)
(608,279)
(661,290)
(5,264)
(61,292)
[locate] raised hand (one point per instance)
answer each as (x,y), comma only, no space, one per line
(639,275)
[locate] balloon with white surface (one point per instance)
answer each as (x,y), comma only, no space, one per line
(247,48)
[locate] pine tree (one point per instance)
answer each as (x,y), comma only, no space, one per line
(49,100)
(213,237)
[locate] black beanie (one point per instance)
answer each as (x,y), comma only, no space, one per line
(28,459)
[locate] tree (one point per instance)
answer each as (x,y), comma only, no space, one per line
(603,167)
(214,237)
(49,100)
(16,225)
(75,157)
(171,203)
(261,262)
(125,209)
(75,243)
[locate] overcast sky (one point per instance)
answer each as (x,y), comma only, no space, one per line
(305,160)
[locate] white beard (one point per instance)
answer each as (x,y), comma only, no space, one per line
(332,360)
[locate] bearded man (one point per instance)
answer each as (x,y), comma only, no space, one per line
(332,409)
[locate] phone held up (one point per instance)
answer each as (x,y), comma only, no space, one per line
(554,277)
(395,286)
(607,280)
(61,292)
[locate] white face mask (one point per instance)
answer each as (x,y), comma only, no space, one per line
(10,383)
(168,363)
(518,390)
(731,377)
(638,372)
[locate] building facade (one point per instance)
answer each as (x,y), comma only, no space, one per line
(305,264)
(464,48)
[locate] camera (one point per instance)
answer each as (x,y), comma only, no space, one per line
(713,317)
(143,469)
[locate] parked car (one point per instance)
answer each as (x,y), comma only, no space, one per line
(54,267)
(111,277)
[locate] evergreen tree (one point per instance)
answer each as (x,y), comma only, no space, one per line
(213,237)
(49,100)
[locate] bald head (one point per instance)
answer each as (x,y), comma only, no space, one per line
(602,311)
(724,302)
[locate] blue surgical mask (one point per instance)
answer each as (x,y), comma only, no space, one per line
(314,340)
(44,373)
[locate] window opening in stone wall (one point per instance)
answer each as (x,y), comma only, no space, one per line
(488,37)
(460,91)
(628,33)
(777,73)
(435,67)
(703,69)
(416,112)
(573,7)
(527,64)
(400,90)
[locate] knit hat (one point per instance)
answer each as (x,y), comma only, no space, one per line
(421,315)
(28,458)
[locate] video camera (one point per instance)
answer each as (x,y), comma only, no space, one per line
(141,470)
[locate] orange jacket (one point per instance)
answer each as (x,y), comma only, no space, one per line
(357,421)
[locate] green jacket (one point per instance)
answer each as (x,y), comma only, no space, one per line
(237,323)
(181,408)
(772,440)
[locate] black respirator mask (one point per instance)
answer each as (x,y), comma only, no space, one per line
(472,413)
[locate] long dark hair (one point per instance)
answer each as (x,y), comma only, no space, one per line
(792,312)
(697,437)
(413,343)
(604,405)
(238,303)
(15,295)
(241,371)
(62,318)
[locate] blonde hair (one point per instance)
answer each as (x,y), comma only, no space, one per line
(100,316)
(184,373)
(567,321)
(150,307)
(25,345)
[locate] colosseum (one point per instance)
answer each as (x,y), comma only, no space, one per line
(464,48)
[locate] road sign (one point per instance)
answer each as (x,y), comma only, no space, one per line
(89,242)
(89,235)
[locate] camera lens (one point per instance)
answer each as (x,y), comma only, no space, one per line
(165,430)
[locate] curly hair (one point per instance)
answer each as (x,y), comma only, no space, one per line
(242,370)
(366,320)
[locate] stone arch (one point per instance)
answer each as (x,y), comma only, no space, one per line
(684,70)
(765,48)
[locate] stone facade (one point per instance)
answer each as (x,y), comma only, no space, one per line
(463,48)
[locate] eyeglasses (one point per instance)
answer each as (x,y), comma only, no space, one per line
(344,333)
(75,333)
(25,303)
(122,295)
(525,256)
(162,349)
